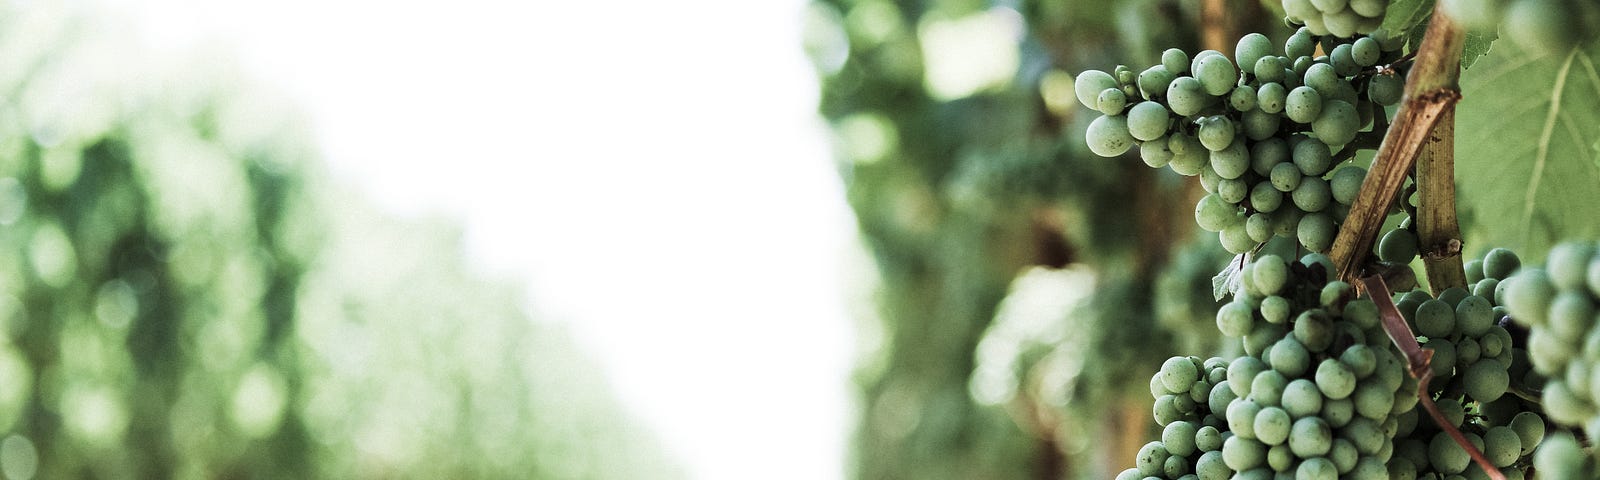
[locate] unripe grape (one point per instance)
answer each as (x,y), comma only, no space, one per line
(1398,246)
(1153,81)
(1316,232)
(1346,183)
(1270,97)
(1155,153)
(1303,105)
(1108,136)
(1148,121)
(1175,61)
(1216,132)
(1185,96)
(1337,124)
(1216,74)
(1366,51)
(1313,157)
(1089,84)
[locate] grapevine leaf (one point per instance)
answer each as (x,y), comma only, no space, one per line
(1228,279)
(1405,15)
(1525,132)
(1478,44)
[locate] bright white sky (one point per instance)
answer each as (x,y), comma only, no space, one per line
(654,169)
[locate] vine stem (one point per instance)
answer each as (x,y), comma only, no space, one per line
(1431,93)
(1419,364)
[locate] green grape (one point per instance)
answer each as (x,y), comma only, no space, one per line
(1148,121)
(1231,161)
(1568,263)
(1242,372)
(1398,246)
(1344,23)
(1303,105)
(1189,164)
(1175,467)
(1111,101)
(1289,357)
(1366,51)
(1272,425)
(1251,48)
(1155,153)
(1243,98)
(1221,395)
(1500,262)
(1344,63)
(1216,74)
(1323,78)
(1571,314)
(1335,379)
(1243,453)
(1300,44)
(1316,231)
(1271,97)
(1365,434)
(1265,198)
(1260,125)
(1151,458)
(1338,412)
(1454,295)
(1089,84)
(1373,400)
(1108,136)
(1268,153)
(1363,314)
(1261,337)
(1175,61)
(1179,438)
(1259,226)
(1279,458)
(1270,274)
(1560,457)
(1474,268)
(1501,446)
(1337,124)
(1301,398)
(1216,132)
(1285,177)
(1236,239)
(1185,96)
(1268,70)
(1527,295)
(1235,319)
(1314,330)
(1564,405)
(1486,380)
(1166,410)
(1386,90)
(1313,194)
(1474,316)
(1267,388)
(1329,6)
(1213,214)
(1530,429)
(1346,183)
(1178,373)
(1208,439)
(1446,455)
(1153,81)
(1311,437)
(1313,157)
(1301,66)
(1123,74)
(1241,415)
(1232,190)
(1130,474)
(1543,26)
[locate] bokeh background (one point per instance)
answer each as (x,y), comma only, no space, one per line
(709,239)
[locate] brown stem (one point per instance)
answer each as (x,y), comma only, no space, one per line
(1437,228)
(1431,91)
(1418,363)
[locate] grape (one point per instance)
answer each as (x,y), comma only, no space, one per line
(1285,177)
(1232,190)
(1386,90)
(1260,125)
(1179,438)
(1216,132)
(1234,319)
(1366,51)
(1474,268)
(1398,246)
(1175,60)
(1337,124)
(1151,458)
(1338,412)
(1373,400)
(1270,97)
(1364,434)
(1446,455)
(1242,372)
(1155,153)
(1243,98)
(1185,96)
(1212,214)
(1323,78)
(1313,194)
(1242,417)
(1474,315)
(1344,23)
(1563,405)
(1259,225)
(1592,280)
(1264,197)
(1275,309)
(1175,466)
(1316,232)
(1542,26)
(1235,239)
(1130,474)
(1208,439)
(1301,398)
(1111,101)
(1568,263)
(1303,105)
(1560,457)
(1529,428)
(1153,81)
(1270,274)
(1108,136)
(1314,330)
(1272,425)
(1486,380)
(1215,73)
(1178,373)
(1346,183)
(1330,6)
(1343,62)
(1313,157)
(1335,379)
(1089,84)
(1300,44)
(1499,263)
(1527,295)
(1289,357)
(1230,162)
(1187,164)
(1148,121)
(1242,453)
(1571,314)
(1268,70)
(1267,388)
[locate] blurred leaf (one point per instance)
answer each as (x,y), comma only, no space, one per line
(1526,162)
(1477,45)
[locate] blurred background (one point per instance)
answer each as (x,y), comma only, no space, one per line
(714,239)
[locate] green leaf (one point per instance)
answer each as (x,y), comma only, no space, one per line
(1405,15)
(1477,45)
(1525,136)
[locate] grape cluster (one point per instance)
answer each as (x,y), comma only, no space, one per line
(1341,18)
(1192,438)
(1475,362)
(1266,141)
(1558,304)
(1537,25)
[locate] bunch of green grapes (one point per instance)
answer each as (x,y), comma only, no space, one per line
(1558,304)
(1342,18)
(1266,133)
(1475,363)
(1186,391)
(1544,26)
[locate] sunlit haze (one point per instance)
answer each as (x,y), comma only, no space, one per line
(654,170)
